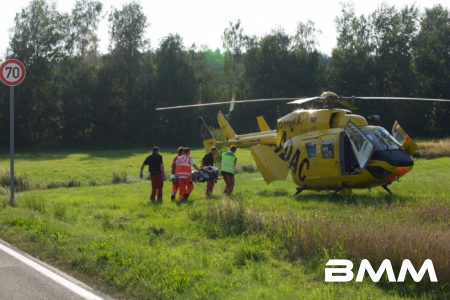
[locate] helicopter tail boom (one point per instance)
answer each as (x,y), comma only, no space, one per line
(264,137)
(270,164)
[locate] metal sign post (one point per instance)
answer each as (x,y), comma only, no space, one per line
(12,73)
(11,144)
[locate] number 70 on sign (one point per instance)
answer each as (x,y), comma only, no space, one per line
(12,72)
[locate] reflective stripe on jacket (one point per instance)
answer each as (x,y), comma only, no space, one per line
(183,166)
(228,162)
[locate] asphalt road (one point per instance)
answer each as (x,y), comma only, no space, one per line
(23,277)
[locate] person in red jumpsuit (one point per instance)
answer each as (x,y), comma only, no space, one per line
(173,176)
(183,166)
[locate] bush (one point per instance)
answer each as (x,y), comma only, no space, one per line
(247,169)
(121,177)
(225,218)
(21,183)
(71,182)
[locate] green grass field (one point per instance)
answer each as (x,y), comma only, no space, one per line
(260,243)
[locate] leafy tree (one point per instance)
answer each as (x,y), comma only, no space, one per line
(78,88)
(120,99)
(393,33)
(38,34)
(176,84)
(235,42)
(432,59)
(82,26)
(307,60)
(127,30)
(78,73)
(305,37)
(38,41)
(270,67)
(209,74)
(352,63)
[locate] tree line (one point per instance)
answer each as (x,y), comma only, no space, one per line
(73,95)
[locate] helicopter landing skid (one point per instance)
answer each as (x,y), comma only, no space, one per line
(385,187)
(343,190)
(300,189)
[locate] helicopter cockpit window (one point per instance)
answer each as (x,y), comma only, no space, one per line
(328,149)
(311,150)
(381,139)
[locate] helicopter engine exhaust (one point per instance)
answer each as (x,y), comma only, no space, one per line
(373,119)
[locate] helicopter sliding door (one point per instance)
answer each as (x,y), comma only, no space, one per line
(361,145)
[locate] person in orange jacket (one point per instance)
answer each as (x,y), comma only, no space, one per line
(173,176)
(183,165)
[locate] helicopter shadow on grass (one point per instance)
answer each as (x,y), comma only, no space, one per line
(367,198)
(274,193)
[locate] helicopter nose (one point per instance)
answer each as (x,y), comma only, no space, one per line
(399,161)
(396,158)
(397,174)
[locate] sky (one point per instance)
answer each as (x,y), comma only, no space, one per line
(203,21)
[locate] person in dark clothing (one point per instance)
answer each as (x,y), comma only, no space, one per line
(156,169)
(208,161)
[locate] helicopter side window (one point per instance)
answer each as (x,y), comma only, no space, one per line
(328,149)
(311,150)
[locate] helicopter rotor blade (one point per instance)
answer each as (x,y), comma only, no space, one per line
(298,101)
(395,98)
(224,103)
(304,100)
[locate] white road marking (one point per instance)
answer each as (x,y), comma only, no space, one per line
(50,274)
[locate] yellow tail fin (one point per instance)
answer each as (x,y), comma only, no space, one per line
(269,163)
(225,127)
(263,126)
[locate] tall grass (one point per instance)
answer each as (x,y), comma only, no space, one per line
(300,237)
(433,149)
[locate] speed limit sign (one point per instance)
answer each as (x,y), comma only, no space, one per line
(12,72)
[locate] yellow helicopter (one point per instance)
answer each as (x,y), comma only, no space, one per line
(324,149)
